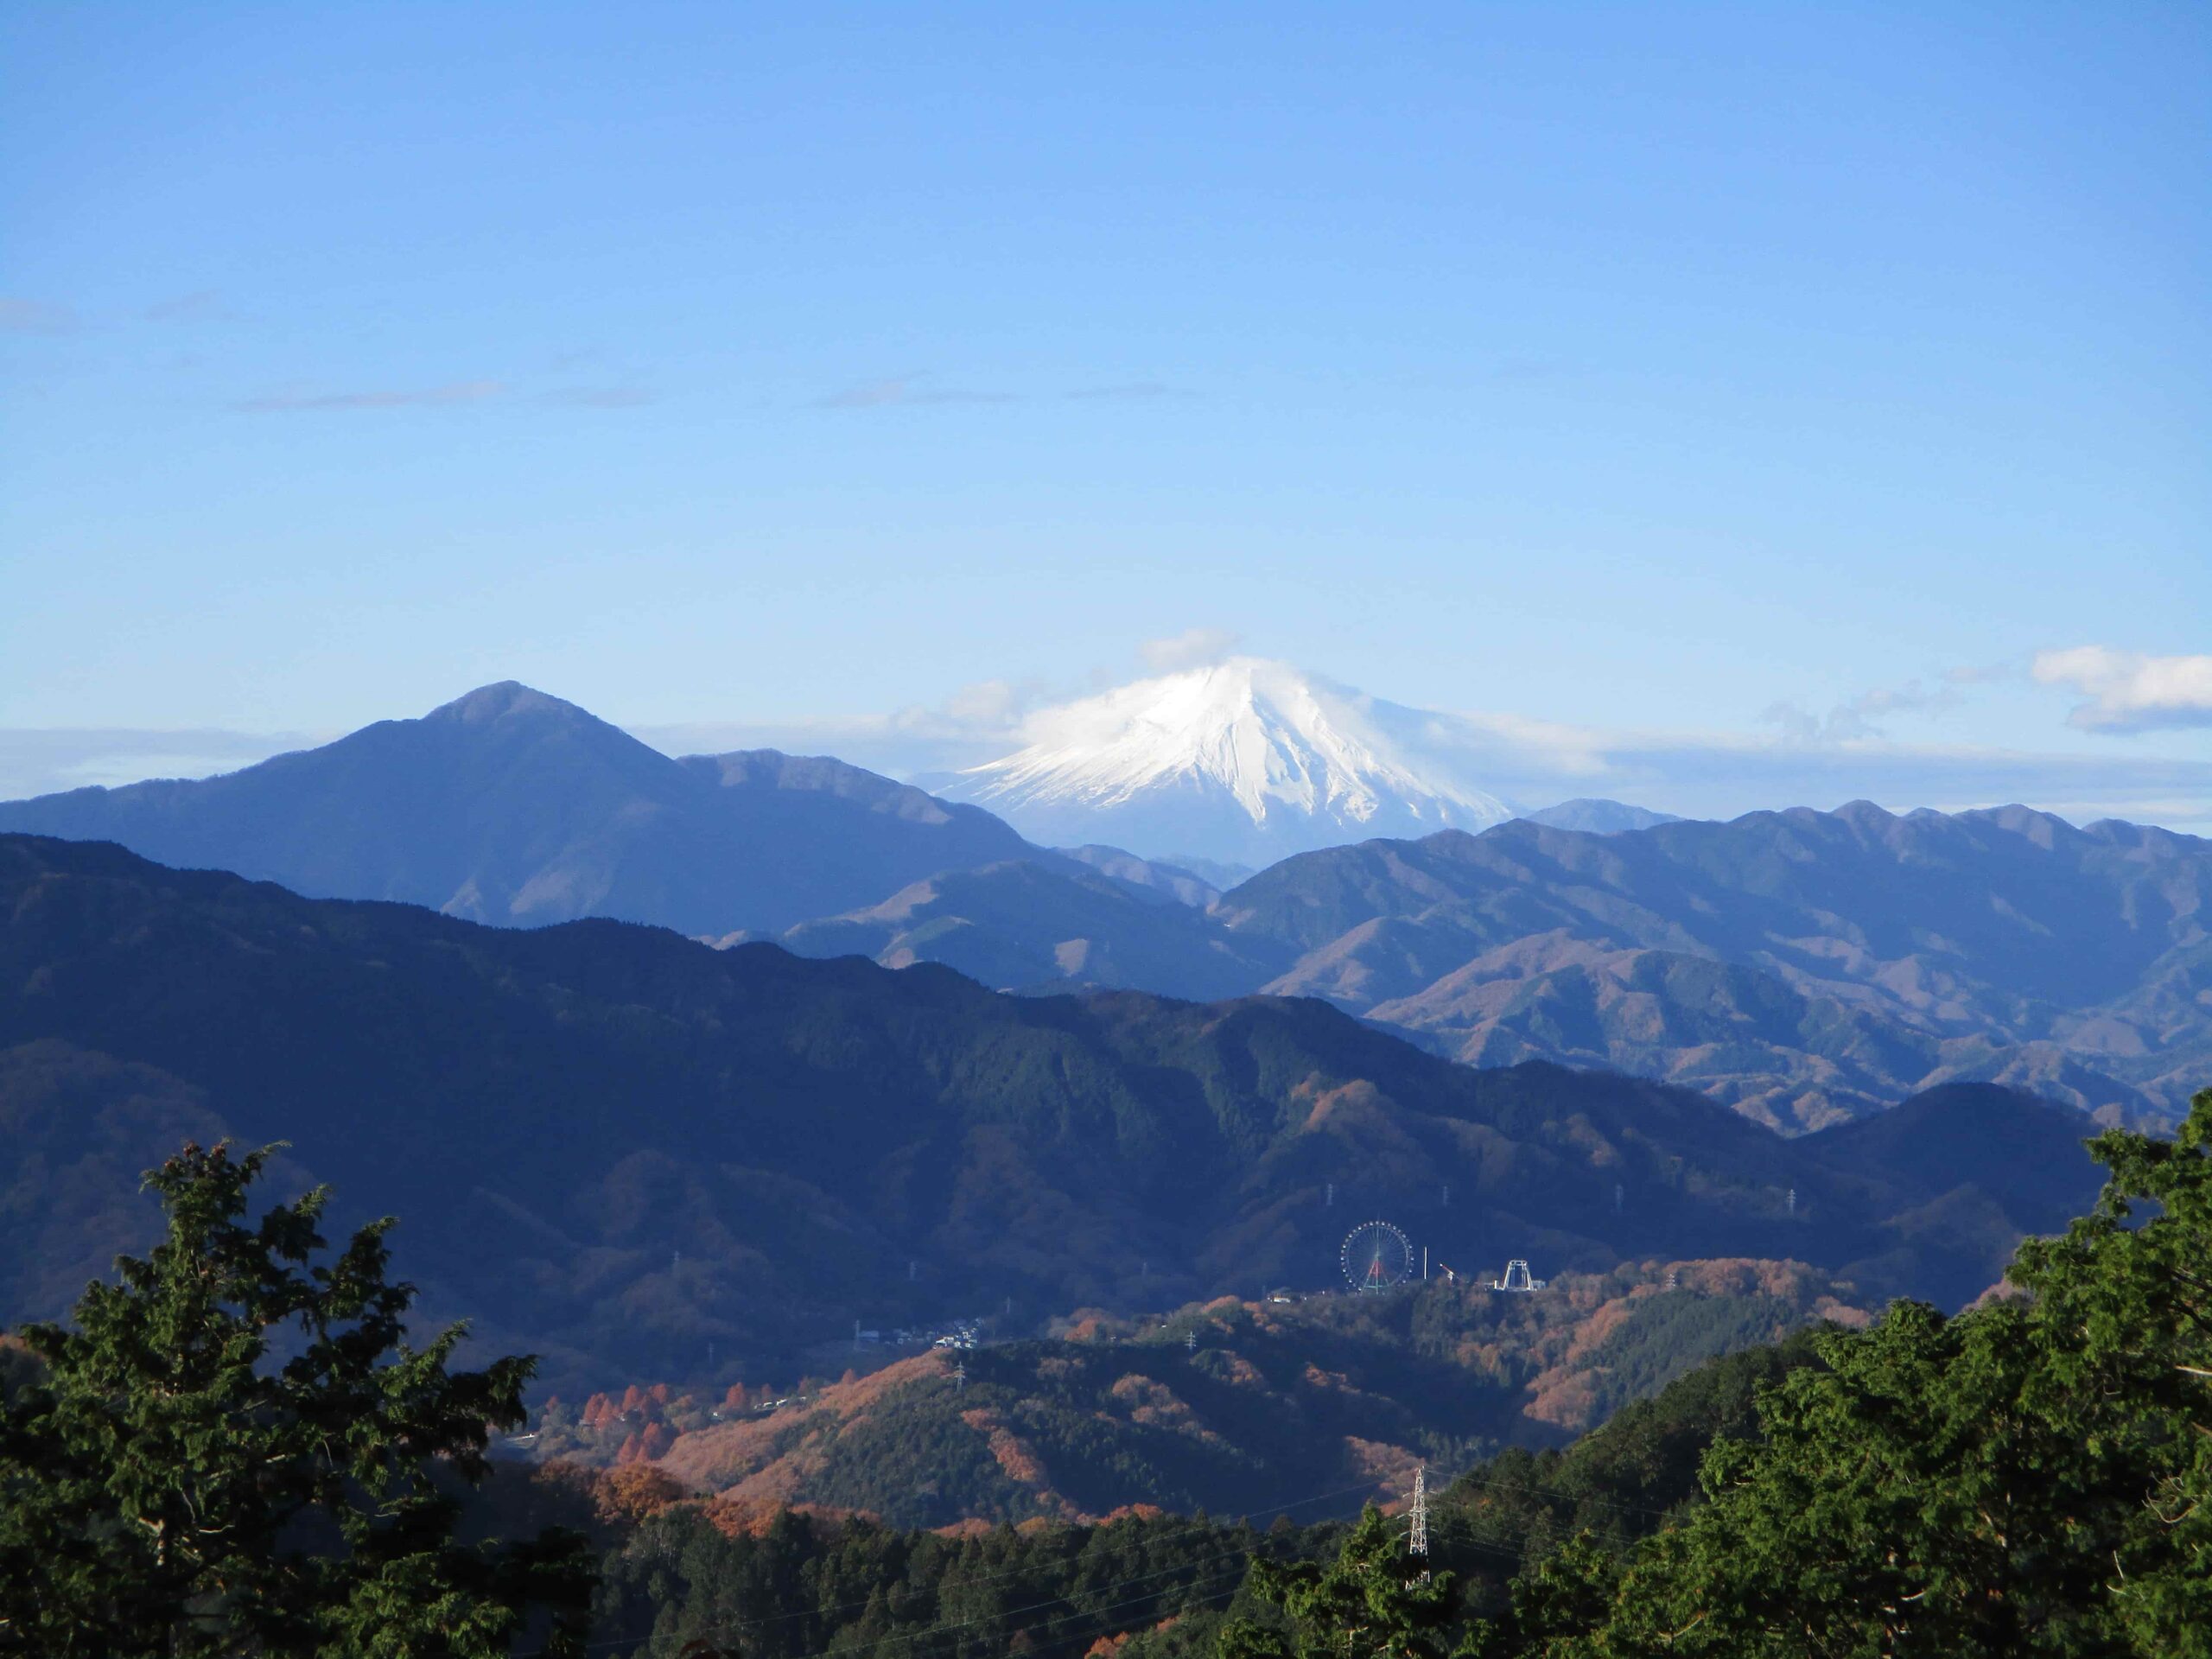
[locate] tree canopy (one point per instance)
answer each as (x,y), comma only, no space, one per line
(234,1449)
(2033,1476)
(1375,1600)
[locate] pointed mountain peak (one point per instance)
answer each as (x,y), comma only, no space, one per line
(1244,758)
(501,700)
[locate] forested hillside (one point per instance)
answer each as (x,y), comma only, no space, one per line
(2028,1477)
(1226,1407)
(640,1156)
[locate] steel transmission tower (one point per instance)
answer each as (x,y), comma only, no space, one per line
(1417,1536)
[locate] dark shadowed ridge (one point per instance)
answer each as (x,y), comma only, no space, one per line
(614,1145)
(2026,1154)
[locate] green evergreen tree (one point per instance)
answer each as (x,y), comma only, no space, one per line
(1374,1601)
(235,1452)
(2124,1307)
(2032,1476)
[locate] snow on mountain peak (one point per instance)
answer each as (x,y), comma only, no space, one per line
(1243,759)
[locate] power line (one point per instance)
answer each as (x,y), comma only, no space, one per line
(1489,1547)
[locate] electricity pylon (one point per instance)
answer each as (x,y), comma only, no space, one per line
(1417,1536)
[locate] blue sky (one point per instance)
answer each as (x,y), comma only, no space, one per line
(1776,403)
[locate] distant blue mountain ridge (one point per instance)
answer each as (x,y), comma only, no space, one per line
(1804,967)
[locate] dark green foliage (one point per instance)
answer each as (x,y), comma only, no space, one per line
(801,1588)
(235,1450)
(1617,1484)
(1668,1335)
(2123,1312)
(2029,1478)
(1374,1598)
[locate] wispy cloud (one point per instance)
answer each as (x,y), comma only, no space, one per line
(906,389)
(600,397)
(2129,691)
(204,306)
(19,317)
(1192,648)
(288,400)
(1866,714)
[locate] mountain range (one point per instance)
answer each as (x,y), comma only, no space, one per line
(630,1151)
(509,806)
(1804,968)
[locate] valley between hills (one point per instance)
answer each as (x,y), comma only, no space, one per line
(622,1149)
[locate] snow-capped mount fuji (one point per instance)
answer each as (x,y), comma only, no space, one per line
(1246,760)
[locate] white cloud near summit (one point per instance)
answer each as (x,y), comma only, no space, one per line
(2129,691)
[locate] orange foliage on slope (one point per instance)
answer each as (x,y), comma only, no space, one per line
(740,1456)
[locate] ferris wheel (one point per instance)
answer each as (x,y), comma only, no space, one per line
(1378,1256)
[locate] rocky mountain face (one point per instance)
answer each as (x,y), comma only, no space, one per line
(627,1152)
(1246,760)
(1802,966)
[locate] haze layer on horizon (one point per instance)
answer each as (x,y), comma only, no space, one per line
(1667,389)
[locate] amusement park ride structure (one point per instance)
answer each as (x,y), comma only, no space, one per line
(1377,1258)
